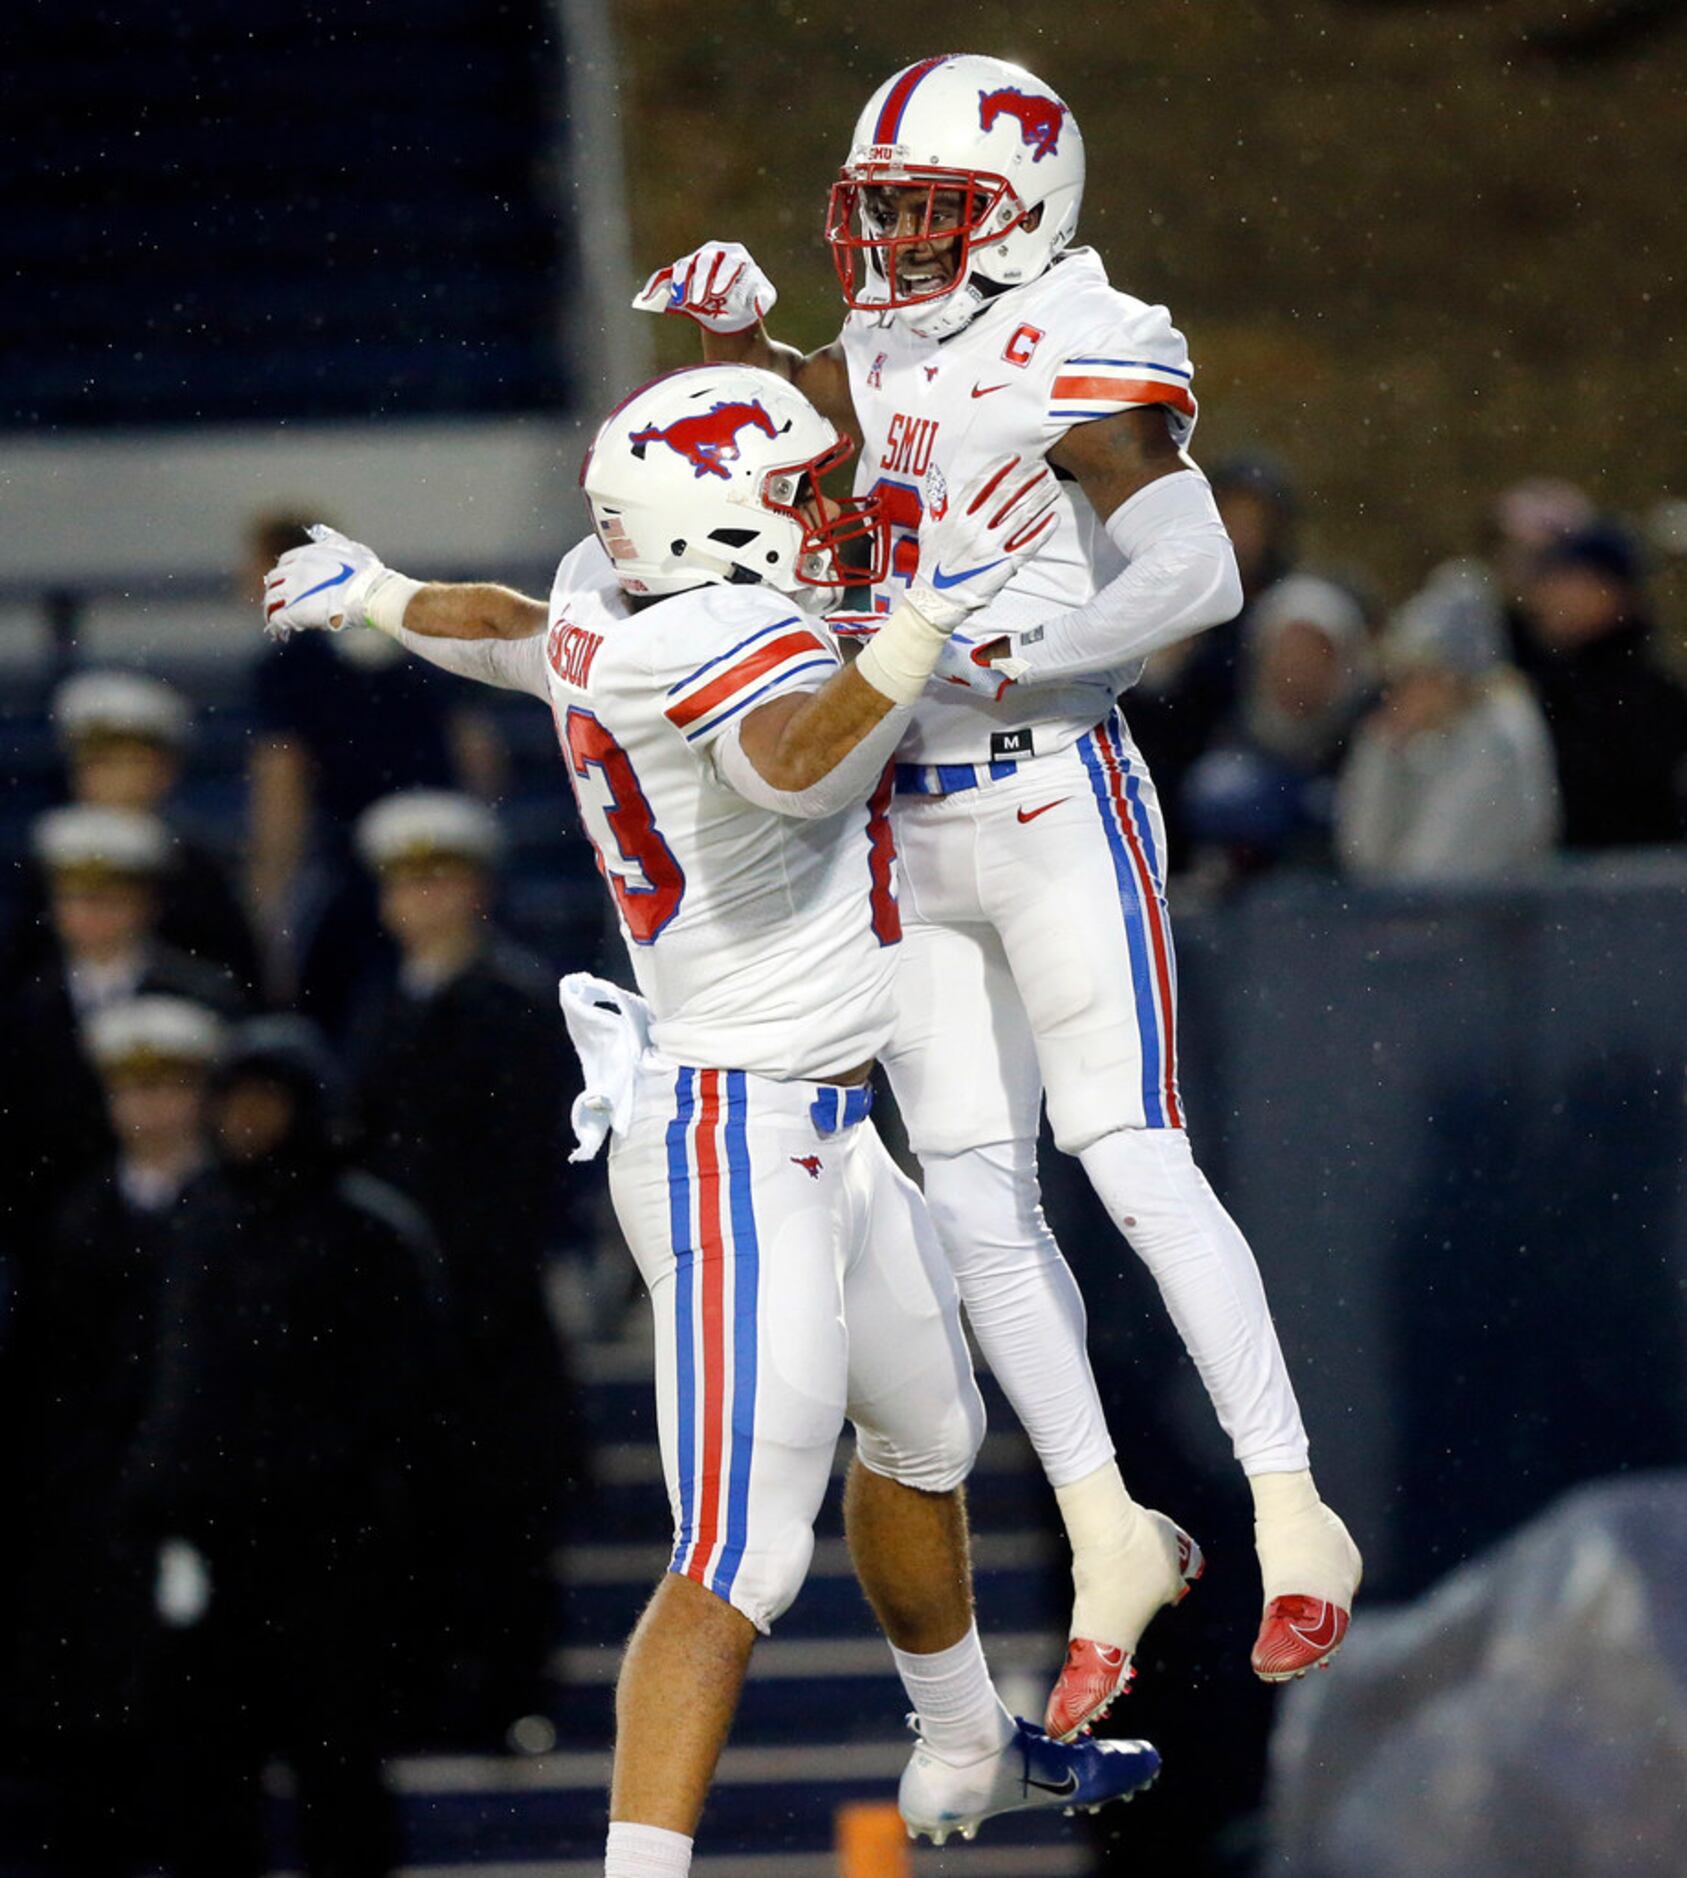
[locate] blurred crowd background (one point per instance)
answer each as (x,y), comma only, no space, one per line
(303,1313)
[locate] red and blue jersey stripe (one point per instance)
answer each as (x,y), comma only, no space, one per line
(763,663)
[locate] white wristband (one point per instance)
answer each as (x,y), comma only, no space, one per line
(385,603)
(902,655)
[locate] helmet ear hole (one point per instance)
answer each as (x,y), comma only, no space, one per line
(733,537)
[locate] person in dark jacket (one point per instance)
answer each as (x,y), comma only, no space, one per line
(103,868)
(1189,693)
(288,1442)
(460,1103)
(1618,719)
(77,1372)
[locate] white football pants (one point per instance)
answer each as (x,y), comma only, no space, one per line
(796,1281)
(1037,956)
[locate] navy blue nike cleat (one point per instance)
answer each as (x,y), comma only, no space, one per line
(937,1798)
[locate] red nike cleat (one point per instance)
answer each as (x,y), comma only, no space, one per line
(1095,1675)
(1296,1635)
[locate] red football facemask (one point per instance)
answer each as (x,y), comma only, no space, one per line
(878,217)
(842,523)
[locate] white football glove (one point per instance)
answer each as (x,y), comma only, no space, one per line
(322,588)
(987,667)
(718,285)
(972,545)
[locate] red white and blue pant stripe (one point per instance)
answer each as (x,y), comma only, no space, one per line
(1117,778)
(717,1263)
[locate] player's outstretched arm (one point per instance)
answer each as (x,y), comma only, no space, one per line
(814,753)
(1180,575)
(721,290)
(475,629)
(472,610)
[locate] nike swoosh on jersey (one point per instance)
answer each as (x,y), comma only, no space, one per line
(940,580)
(332,581)
(1032,814)
(1059,1788)
(1329,1622)
(983,391)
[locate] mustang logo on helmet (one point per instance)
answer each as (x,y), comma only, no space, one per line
(1039,119)
(709,440)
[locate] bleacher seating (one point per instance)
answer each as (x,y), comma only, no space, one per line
(170,281)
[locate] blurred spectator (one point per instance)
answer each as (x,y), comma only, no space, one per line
(289,1437)
(1451,776)
(124,736)
(342,719)
(1618,720)
(78,1373)
(1188,693)
(460,1104)
(1264,793)
(1527,519)
(104,868)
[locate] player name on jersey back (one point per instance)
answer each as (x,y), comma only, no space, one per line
(1065,349)
(761,942)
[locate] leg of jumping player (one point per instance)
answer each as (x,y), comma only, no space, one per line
(1099,992)
(674,1703)
(918,1422)
(965,1069)
(740,1251)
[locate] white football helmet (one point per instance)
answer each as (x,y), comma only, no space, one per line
(708,476)
(976,147)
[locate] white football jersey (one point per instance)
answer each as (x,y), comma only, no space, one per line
(761,942)
(1061,350)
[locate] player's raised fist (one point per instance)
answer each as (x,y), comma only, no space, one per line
(718,285)
(972,544)
(322,587)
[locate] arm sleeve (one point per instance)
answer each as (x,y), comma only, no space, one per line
(850,781)
(511,664)
(1180,576)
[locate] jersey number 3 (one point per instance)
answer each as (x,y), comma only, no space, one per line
(646,880)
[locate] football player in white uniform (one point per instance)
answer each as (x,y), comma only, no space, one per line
(1038,956)
(723,757)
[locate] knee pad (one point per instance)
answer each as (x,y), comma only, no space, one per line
(941,1457)
(1146,1177)
(763,1581)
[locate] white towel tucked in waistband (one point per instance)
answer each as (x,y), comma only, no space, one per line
(610,1030)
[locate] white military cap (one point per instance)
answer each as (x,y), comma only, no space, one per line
(154,1030)
(125,704)
(424,824)
(112,841)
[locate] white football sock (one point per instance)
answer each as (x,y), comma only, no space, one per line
(1304,1549)
(1124,1559)
(645,1852)
(961,1715)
